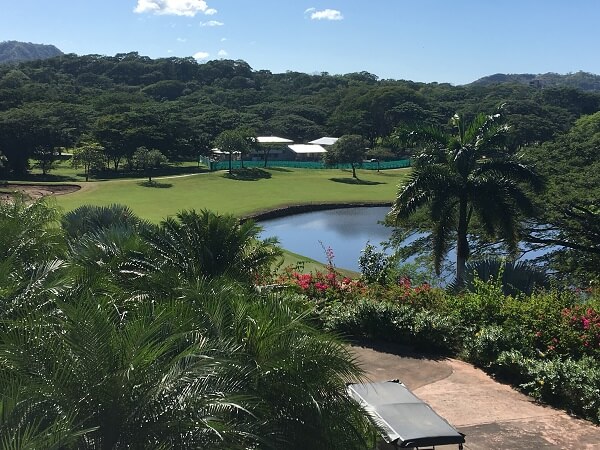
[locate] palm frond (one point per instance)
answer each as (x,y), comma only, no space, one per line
(512,170)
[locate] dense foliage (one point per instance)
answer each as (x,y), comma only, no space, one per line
(546,343)
(115,333)
(571,204)
(178,106)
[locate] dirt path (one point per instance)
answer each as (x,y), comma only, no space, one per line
(491,415)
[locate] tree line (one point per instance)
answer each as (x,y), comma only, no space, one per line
(178,106)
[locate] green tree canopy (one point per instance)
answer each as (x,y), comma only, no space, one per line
(349,149)
(148,160)
(570,207)
(90,156)
(233,142)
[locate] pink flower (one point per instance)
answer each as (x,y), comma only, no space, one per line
(585,322)
(321,286)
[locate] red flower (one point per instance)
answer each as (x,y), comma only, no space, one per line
(585,322)
(321,286)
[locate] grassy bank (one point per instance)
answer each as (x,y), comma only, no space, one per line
(257,191)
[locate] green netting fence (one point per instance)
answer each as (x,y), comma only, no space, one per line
(224,165)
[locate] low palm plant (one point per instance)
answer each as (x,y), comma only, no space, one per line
(205,244)
(134,341)
(91,218)
(143,378)
(296,373)
(28,230)
(516,277)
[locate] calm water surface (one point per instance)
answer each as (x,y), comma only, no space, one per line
(346,231)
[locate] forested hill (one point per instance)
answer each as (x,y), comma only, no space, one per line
(579,80)
(179,106)
(15,51)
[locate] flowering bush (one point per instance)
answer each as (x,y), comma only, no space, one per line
(321,285)
(329,284)
(584,323)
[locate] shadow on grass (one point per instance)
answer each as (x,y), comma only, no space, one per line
(247,174)
(279,169)
(110,174)
(356,181)
(398,349)
(155,184)
(38,177)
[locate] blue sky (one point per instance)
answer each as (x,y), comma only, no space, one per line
(422,40)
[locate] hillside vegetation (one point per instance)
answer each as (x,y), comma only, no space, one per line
(579,80)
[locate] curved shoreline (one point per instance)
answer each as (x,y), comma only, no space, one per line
(291,210)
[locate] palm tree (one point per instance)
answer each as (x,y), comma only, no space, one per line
(28,230)
(89,359)
(287,358)
(465,174)
(146,377)
(88,218)
(206,244)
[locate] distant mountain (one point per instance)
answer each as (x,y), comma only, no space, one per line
(580,80)
(15,51)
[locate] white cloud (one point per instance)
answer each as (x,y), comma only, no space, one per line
(181,40)
(174,7)
(324,14)
(212,23)
(201,55)
(222,53)
(223,39)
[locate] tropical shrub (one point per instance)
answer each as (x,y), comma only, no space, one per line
(114,347)
(564,382)
(375,266)
(482,347)
(371,319)
(319,285)
(436,333)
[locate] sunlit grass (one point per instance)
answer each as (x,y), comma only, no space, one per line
(217,192)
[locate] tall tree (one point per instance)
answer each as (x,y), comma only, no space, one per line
(349,149)
(89,155)
(571,206)
(148,160)
(232,142)
(462,174)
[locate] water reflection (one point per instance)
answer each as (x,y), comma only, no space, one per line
(346,231)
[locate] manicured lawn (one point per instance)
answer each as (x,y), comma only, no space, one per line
(64,172)
(271,188)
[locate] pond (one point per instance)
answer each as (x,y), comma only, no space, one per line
(346,231)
